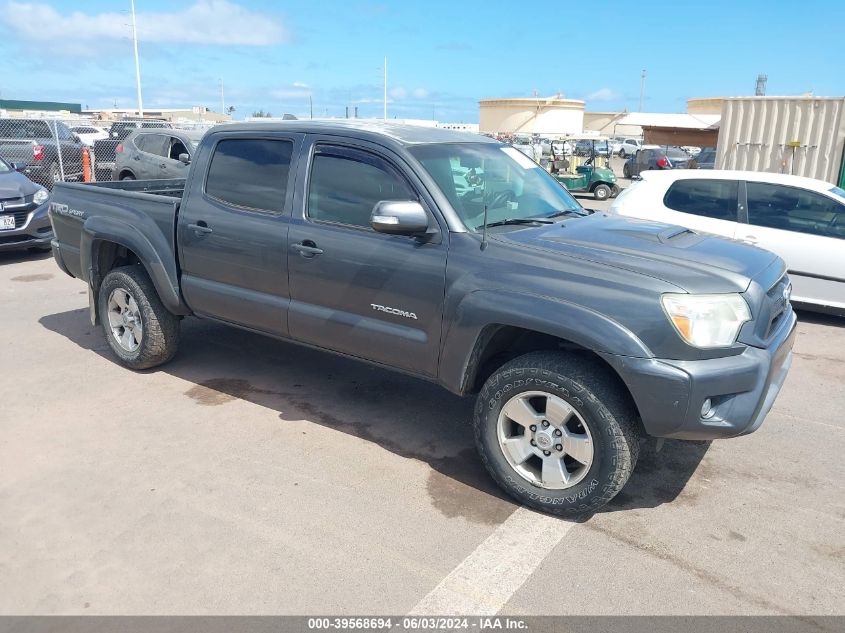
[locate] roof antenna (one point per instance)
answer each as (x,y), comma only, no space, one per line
(484,230)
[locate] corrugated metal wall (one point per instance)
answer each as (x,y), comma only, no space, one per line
(755,133)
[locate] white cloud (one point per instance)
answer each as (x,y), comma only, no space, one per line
(205,22)
(403,93)
(299,84)
(603,94)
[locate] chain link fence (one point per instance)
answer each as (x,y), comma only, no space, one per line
(49,149)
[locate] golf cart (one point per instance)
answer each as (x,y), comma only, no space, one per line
(587,178)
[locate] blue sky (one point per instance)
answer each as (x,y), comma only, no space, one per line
(443,56)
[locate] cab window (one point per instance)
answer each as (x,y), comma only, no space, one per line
(345,186)
(250,173)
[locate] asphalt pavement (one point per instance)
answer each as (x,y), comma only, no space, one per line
(252,476)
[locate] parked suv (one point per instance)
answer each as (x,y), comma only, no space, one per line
(148,154)
(104,150)
(800,219)
(23,211)
(32,142)
(655,157)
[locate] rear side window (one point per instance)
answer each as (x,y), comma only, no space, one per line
(152,143)
(794,209)
(250,173)
(344,188)
(709,198)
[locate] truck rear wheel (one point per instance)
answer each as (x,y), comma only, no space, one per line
(138,328)
(556,433)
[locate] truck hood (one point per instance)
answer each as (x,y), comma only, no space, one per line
(15,185)
(694,262)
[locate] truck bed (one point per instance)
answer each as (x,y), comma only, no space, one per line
(145,208)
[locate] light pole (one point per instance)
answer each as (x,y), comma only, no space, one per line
(222,98)
(642,89)
(137,63)
(385,88)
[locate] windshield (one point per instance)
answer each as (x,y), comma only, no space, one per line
(512,186)
(675,153)
(5,168)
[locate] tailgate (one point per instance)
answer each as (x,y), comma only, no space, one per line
(17,151)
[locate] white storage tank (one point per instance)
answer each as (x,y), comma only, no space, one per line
(804,136)
(537,115)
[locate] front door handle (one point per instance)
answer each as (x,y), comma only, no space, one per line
(307,248)
(200,228)
(749,239)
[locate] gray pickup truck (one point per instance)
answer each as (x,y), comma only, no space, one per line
(456,259)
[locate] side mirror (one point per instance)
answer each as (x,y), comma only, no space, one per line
(185,159)
(399,217)
(18,166)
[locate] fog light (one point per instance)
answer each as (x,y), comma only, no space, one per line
(707,409)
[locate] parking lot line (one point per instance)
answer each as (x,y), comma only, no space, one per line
(486,579)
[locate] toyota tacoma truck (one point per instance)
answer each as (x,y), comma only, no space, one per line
(456,259)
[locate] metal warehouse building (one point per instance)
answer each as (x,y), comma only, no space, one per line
(804,136)
(537,115)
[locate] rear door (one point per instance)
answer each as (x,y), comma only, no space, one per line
(146,158)
(807,229)
(233,229)
(353,290)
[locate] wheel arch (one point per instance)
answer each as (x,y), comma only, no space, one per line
(108,244)
(492,328)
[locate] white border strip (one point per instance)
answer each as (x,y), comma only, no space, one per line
(486,579)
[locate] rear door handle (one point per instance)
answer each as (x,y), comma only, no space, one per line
(749,239)
(307,248)
(200,228)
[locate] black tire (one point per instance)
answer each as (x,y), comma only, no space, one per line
(593,392)
(127,176)
(621,153)
(626,171)
(160,328)
(602,192)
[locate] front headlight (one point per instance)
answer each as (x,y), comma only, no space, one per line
(707,320)
(41,196)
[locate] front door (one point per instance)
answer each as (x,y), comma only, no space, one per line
(233,230)
(353,290)
(807,229)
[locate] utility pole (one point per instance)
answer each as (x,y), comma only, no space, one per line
(311,105)
(385,88)
(642,89)
(137,63)
(222,98)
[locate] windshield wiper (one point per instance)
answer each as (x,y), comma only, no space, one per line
(514,221)
(576,212)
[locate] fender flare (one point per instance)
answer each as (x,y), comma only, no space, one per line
(480,310)
(163,273)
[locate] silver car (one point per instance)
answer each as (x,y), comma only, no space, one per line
(155,154)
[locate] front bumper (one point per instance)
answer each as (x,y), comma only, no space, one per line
(35,232)
(670,393)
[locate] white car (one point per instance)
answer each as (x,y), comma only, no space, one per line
(615,145)
(629,147)
(692,150)
(88,134)
(800,219)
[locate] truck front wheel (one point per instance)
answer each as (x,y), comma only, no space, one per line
(556,433)
(138,328)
